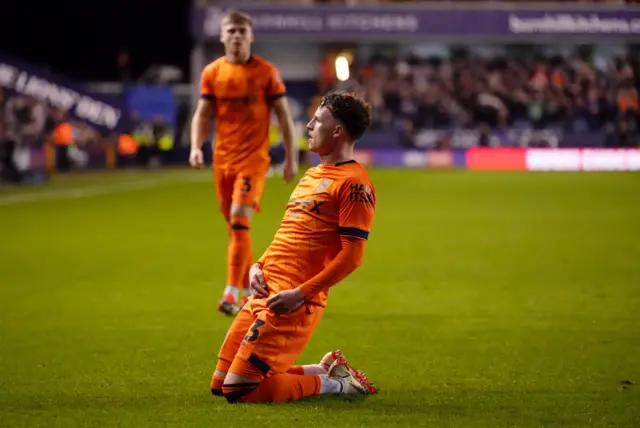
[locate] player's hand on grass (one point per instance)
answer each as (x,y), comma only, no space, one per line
(290,170)
(196,158)
(286,301)
(256,281)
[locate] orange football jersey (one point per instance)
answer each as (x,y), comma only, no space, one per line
(329,201)
(242,95)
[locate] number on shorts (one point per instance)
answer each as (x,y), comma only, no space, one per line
(254,329)
(246,184)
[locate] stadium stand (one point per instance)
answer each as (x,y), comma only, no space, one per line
(502,91)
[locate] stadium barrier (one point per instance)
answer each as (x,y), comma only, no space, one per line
(504,159)
(474,159)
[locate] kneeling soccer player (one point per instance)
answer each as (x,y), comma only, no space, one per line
(320,241)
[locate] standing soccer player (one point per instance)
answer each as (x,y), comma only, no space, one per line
(320,241)
(240,89)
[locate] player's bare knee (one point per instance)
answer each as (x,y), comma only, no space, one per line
(232,378)
(241,210)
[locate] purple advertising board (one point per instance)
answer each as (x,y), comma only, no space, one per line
(504,21)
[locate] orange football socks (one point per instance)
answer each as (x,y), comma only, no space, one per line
(239,255)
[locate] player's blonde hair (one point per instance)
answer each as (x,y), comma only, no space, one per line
(237,18)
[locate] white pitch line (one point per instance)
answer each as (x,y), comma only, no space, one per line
(91,191)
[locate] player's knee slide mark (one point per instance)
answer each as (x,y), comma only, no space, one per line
(233,392)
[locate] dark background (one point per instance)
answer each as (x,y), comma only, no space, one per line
(83,39)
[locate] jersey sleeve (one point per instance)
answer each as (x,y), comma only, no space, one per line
(207,79)
(357,201)
(275,84)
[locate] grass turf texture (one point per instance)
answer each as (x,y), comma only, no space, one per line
(485,300)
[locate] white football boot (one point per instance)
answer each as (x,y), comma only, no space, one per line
(354,382)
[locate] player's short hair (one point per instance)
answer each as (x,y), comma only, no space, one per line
(237,18)
(350,109)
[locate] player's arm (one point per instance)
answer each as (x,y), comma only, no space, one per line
(285,121)
(276,92)
(348,260)
(200,123)
(202,117)
(357,207)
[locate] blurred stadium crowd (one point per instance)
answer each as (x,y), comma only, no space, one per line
(521,91)
(28,122)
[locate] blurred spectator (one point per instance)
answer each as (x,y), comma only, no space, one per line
(8,169)
(63,138)
(162,138)
(154,139)
(3,128)
(25,120)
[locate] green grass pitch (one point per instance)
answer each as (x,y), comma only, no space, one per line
(485,300)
